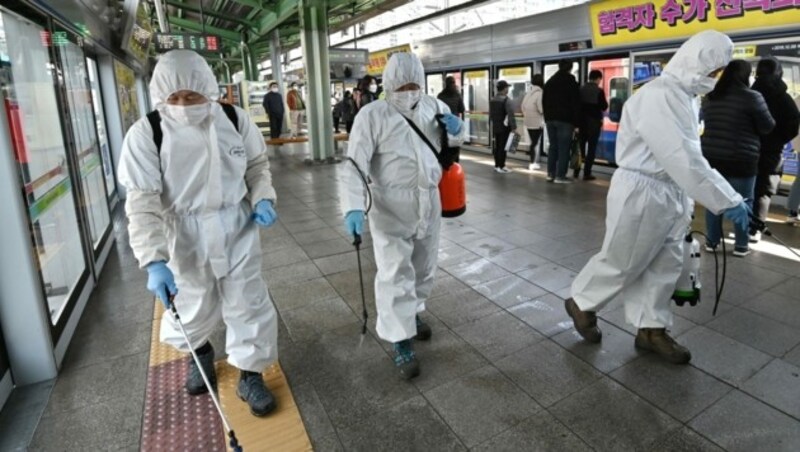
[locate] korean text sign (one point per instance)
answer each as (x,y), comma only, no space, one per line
(378,60)
(621,22)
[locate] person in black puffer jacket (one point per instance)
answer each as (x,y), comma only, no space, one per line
(787,120)
(735,116)
(451,96)
(562,114)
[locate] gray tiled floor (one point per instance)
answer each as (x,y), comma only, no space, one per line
(504,369)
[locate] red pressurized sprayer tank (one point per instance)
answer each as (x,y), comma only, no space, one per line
(453,191)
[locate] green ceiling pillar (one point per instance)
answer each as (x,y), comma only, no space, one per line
(314,40)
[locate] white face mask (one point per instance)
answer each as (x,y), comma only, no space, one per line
(189,114)
(274,90)
(705,85)
(405,101)
(373,88)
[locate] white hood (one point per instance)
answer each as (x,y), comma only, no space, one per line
(700,55)
(402,69)
(182,70)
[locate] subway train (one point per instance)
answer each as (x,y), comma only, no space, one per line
(513,51)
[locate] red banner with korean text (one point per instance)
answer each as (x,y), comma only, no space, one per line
(625,22)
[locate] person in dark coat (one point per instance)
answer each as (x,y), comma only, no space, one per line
(561,103)
(369,91)
(451,96)
(735,117)
(501,115)
(593,104)
(787,120)
(345,109)
(273,105)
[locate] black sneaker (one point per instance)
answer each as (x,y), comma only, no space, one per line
(405,359)
(194,381)
(424,331)
(252,390)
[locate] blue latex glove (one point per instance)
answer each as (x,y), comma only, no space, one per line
(264,215)
(452,124)
(354,222)
(740,215)
(160,281)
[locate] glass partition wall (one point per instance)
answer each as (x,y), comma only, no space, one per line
(50,95)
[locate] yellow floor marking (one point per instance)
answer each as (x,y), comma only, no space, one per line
(282,430)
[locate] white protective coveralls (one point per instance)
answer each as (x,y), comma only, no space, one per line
(406,213)
(649,207)
(192,205)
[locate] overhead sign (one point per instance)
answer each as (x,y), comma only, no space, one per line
(190,41)
(378,60)
(348,64)
(623,22)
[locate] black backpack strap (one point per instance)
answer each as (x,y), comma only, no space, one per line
(422,135)
(230,112)
(154,118)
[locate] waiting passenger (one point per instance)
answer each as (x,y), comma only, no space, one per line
(770,84)
(593,104)
(407,211)
(194,206)
(345,110)
(533,118)
(649,207)
(451,96)
(297,109)
(735,116)
(501,114)
(561,102)
(273,104)
(369,91)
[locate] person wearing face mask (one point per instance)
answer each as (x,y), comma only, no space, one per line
(649,206)
(273,105)
(297,108)
(406,213)
(194,203)
(369,91)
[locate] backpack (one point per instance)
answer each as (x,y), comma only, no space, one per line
(154,118)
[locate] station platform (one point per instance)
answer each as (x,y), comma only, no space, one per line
(504,369)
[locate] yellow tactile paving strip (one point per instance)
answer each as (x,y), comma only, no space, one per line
(283,430)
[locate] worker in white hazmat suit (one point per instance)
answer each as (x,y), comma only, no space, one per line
(649,207)
(193,208)
(406,215)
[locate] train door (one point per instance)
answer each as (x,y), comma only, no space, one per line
(477,91)
(616,87)
(49,181)
(434,84)
(102,133)
(519,77)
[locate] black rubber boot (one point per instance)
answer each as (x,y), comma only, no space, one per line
(657,340)
(405,359)
(585,322)
(424,331)
(252,390)
(194,381)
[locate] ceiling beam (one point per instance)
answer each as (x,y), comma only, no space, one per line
(256,4)
(185,7)
(194,26)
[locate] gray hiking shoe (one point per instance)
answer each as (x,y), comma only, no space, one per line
(405,359)
(252,390)
(194,381)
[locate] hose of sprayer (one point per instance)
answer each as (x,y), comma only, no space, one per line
(357,244)
(719,285)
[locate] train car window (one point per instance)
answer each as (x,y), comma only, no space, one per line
(435,84)
(617,95)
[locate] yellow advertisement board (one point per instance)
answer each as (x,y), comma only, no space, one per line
(378,60)
(625,22)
